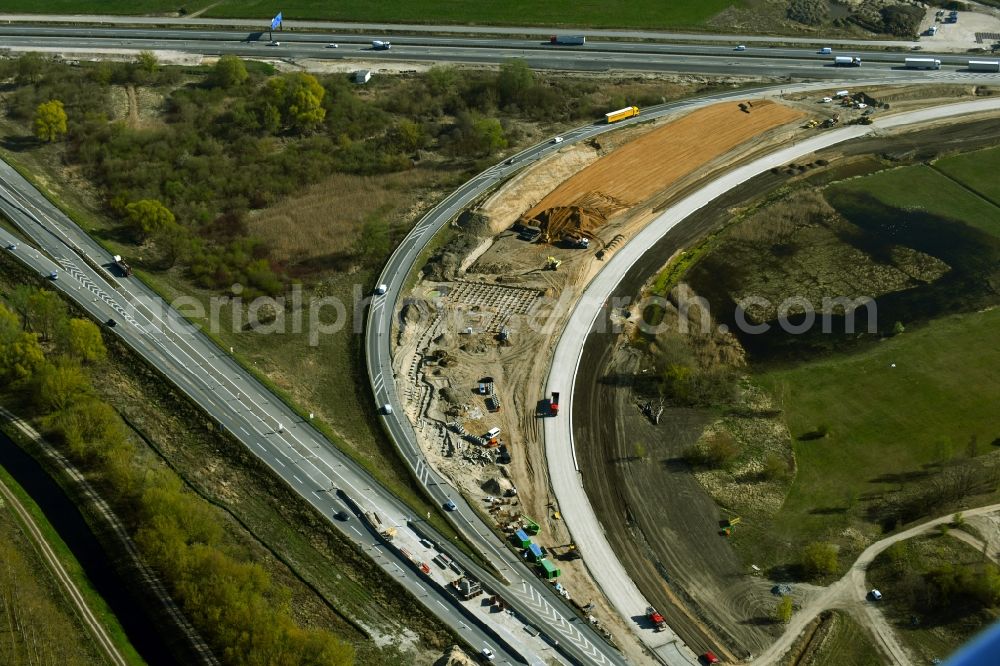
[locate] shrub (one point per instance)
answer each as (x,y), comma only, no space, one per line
(808,12)
(819,559)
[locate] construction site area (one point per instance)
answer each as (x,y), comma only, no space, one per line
(474,338)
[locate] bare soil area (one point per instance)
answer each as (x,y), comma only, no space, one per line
(647,165)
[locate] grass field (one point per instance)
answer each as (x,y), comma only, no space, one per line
(884,421)
(846,644)
(591,13)
(923,188)
(29,589)
(977,170)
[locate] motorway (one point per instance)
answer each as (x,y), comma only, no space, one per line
(291,448)
(420,28)
(594,56)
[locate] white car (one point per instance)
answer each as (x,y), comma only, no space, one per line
(274,43)
(381,289)
(876,595)
(486,654)
(333,46)
(741,47)
(558,139)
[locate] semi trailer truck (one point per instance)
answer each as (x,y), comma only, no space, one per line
(847,61)
(922,63)
(568,40)
(621,114)
(984,65)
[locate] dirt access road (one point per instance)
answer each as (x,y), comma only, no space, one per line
(850,591)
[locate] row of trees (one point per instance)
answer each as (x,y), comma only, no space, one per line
(243,614)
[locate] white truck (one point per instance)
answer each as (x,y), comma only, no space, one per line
(984,65)
(922,63)
(568,40)
(847,61)
(381,45)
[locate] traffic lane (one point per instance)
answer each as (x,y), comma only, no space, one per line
(580,61)
(363,41)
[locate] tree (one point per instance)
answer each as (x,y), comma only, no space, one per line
(783,609)
(148,62)
(20,353)
(60,384)
(408,136)
(819,558)
(149,216)
(30,68)
(775,468)
(514,80)
(489,135)
(50,120)
(83,341)
(46,312)
(299,97)
(229,71)
(373,245)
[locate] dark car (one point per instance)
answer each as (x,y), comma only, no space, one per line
(342,515)
(450,506)
(111,323)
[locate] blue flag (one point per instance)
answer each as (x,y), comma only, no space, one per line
(276,21)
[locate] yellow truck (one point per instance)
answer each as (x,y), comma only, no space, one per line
(621,114)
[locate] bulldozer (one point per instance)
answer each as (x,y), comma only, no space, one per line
(552,264)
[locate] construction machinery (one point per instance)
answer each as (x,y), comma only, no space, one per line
(554,404)
(552,263)
(727,526)
(659,624)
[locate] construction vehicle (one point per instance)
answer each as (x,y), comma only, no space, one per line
(621,114)
(571,553)
(847,61)
(125,269)
(659,624)
(575,241)
(381,45)
(552,263)
(727,526)
(530,526)
(568,40)
(810,124)
(554,404)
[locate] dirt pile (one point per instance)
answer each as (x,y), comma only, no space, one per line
(639,169)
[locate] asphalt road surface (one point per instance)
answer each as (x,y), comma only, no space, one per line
(414,28)
(591,311)
(594,56)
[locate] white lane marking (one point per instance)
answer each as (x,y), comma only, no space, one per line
(297,479)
